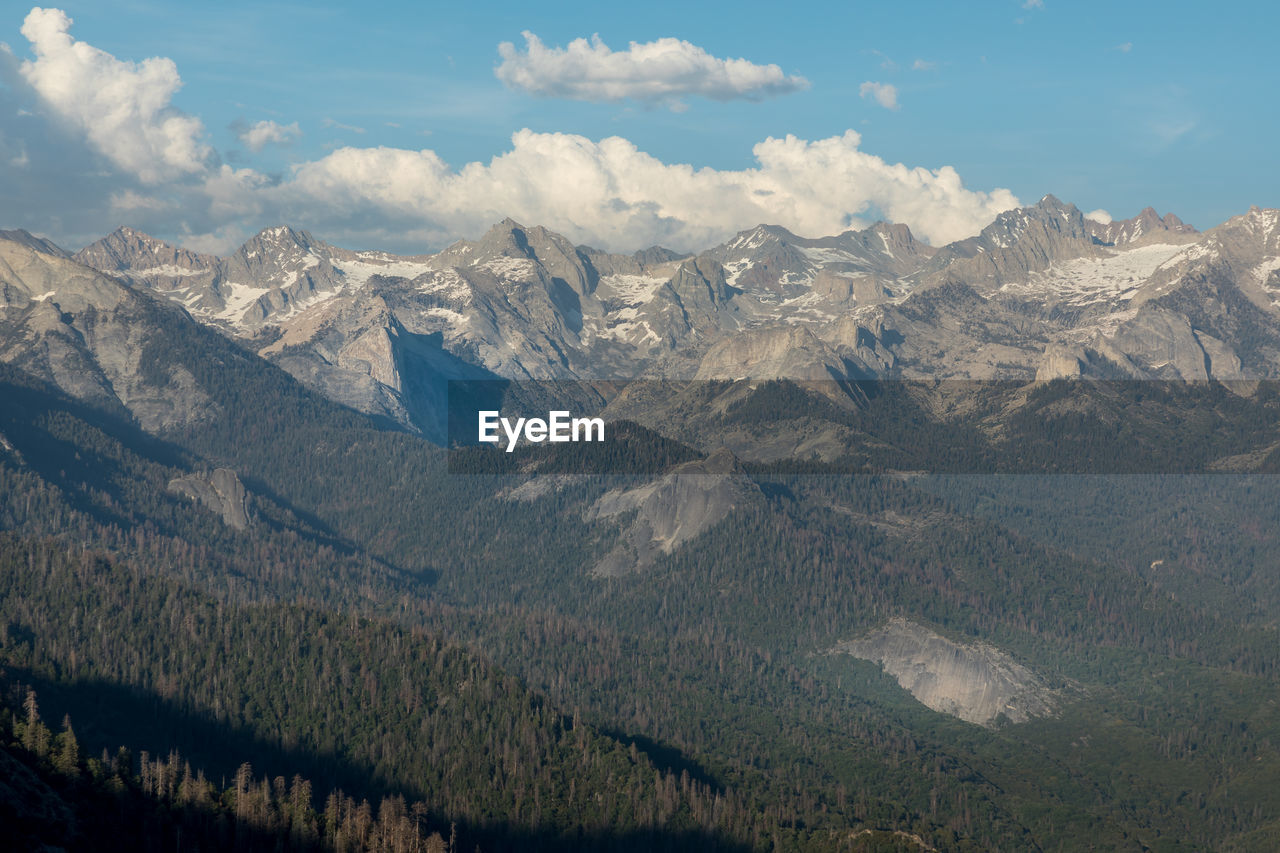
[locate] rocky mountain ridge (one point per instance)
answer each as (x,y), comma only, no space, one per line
(1042,292)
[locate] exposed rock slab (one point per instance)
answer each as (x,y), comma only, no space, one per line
(220,491)
(672,510)
(973,681)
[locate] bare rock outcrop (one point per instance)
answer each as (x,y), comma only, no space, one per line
(1059,362)
(220,491)
(788,352)
(672,510)
(973,681)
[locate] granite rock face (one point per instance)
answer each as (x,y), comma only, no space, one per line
(973,681)
(220,491)
(672,510)
(787,352)
(91,336)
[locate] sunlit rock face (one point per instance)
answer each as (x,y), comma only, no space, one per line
(973,681)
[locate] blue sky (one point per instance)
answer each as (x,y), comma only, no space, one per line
(1109,106)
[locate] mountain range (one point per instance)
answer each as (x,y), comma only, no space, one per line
(1042,292)
(709,646)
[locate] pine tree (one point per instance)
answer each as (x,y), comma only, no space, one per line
(67,759)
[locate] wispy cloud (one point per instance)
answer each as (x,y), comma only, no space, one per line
(257,136)
(661,71)
(884,94)
(1125,47)
(1033,4)
(886,62)
(1169,130)
(337,125)
(923,65)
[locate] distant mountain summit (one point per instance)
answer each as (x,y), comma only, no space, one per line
(1147,226)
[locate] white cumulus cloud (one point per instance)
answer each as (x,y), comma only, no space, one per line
(123,108)
(656,71)
(884,94)
(1100,216)
(613,195)
(266,132)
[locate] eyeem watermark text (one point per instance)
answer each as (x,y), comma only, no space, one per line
(558,427)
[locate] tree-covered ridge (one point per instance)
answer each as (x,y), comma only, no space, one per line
(362,704)
(54,797)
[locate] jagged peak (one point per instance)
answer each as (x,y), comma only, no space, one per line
(128,248)
(127,234)
(1053,204)
(1268,217)
(276,234)
(757,236)
(1014,222)
(132,233)
(507,224)
(1259,222)
(1149,216)
(501,239)
(1146,223)
(897,233)
(278,240)
(541,235)
(895,228)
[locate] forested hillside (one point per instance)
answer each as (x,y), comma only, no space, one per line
(391,630)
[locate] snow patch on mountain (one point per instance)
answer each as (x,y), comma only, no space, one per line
(1088,281)
(630,290)
(821,255)
(358,272)
(510,269)
(238,300)
(443,284)
(168,270)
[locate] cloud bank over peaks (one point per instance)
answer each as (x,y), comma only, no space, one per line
(123,108)
(613,195)
(660,71)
